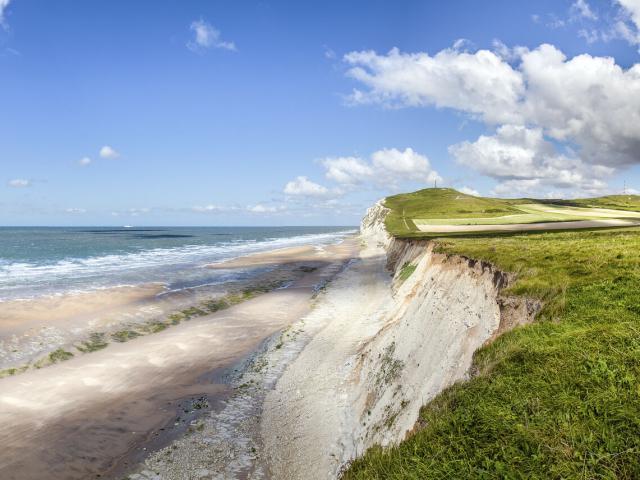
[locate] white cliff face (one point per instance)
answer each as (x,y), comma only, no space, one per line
(383,345)
(372,227)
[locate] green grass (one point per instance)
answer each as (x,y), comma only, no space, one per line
(406,271)
(440,203)
(95,342)
(446,206)
(13,371)
(124,335)
(559,398)
(617,202)
(59,355)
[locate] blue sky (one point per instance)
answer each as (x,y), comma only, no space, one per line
(264,113)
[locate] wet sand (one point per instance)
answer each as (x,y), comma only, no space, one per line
(31,329)
(305,253)
(84,418)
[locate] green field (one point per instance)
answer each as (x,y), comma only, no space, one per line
(412,213)
(556,399)
(533,213)
(559,398)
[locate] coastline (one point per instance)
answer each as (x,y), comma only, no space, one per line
(88,406)
(31,330)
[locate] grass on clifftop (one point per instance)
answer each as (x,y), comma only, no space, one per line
(440,203)
(444,205)
(559,398)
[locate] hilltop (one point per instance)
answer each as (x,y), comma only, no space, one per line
(436,211)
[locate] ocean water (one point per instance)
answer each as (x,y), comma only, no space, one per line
(37,261)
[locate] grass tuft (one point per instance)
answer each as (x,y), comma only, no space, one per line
(406,271)
(95,342)
(124,335)
(59,355)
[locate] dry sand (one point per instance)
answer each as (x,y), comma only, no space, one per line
(89,415)
(31,329)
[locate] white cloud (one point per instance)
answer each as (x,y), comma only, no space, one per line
(480,83)
(632,7)
(260,208)
(3,7)
(108,152)
(206,36)
(462,44)
(347,170)
(587,103)
(583,9)
(209,209)
(506,53)
(393,165)
(521,159)
(590,35)
(387,167)
(84,161)
(75,210)
(304,187)
(469,191)
(19,183)
(622,23)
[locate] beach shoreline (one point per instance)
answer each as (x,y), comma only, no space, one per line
(32,330)
(54,419)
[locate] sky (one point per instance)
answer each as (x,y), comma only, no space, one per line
(305,113)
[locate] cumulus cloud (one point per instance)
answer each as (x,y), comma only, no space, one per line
(588,103)
(206,36)
(302,186)
(19,183)
(109,153)
(469,191)
(521,160)
(84,161)
(508,54)
(395,165)
(347,170)
(386,167)
(480,83)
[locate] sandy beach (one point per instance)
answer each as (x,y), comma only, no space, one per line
(31,329)
(97,413)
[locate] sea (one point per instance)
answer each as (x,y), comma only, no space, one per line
(38,261)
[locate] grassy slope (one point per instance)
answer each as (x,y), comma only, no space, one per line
(618,202)
(556,399)
(447,203)
(441,203)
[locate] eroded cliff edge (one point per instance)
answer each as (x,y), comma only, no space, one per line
(390,333)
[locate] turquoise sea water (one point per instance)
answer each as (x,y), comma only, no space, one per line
(51,260)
